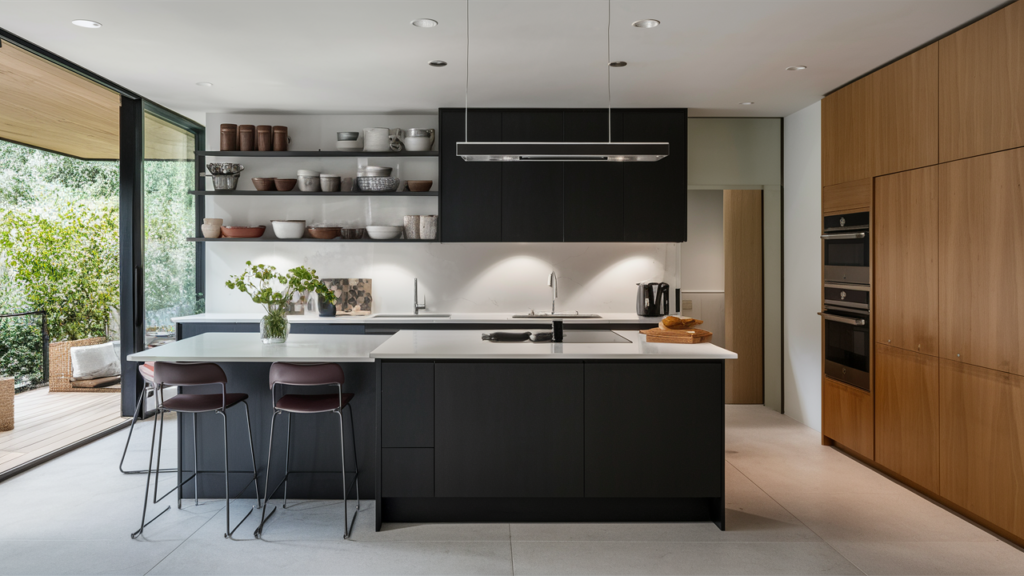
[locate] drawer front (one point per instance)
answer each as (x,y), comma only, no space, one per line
(407,472)
(407,405)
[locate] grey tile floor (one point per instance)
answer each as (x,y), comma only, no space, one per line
(794,507)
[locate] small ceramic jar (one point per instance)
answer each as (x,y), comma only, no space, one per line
(309,181)
(330,183)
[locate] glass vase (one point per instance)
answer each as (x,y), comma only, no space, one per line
(274,327)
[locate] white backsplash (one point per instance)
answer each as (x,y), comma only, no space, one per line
(454,277)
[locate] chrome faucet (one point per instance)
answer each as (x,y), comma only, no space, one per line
(416,306)
(553,283)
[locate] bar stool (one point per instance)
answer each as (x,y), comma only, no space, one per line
(288,374)
(167,374)
(148,388)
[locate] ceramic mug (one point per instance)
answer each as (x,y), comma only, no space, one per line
(376,140)
(412,227)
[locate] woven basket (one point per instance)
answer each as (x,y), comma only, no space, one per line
(6,404)
(60,362)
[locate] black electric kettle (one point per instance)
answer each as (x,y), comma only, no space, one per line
(652,299)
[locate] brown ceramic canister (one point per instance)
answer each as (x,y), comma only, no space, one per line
(280,138)
(264,139)
(229,137)
(246,137)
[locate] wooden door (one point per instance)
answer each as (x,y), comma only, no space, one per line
(744,296)
(470,201)
(906,271)
(982,442)
(981,261)
(847,416)
(907,414)
(981,86)
(532,206)
(848,132)
(908,110)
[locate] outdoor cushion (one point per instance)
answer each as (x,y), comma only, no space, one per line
(96,382)
(91,362)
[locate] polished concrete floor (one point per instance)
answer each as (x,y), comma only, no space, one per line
(794,507)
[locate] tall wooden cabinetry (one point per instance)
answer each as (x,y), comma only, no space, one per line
(936,141)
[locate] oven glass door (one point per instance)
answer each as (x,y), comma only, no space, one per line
(848,251)
(848,348)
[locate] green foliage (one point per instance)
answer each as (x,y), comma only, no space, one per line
(258,282)
(66,265)
(30,177)
(21,348)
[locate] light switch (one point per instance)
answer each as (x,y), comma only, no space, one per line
(686,305)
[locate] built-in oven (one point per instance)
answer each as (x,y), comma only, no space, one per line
(847,319)
(847,249)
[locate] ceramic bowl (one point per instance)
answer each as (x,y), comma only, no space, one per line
(288,229)
(352,233)
(383,232)
(324,232)
(348,145)
(377,183)
(284,184)
(263,184)
(348,136)
(309,183)
(222,168)
(374,171)
(242,231)
(420,185)
(330,183)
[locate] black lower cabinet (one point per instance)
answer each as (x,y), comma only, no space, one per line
(407,472)
(654,430)
(508,430)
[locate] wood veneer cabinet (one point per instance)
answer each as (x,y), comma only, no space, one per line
(848,130)
(981,86)
(981,443)
(907,414)
(906,267)
(852,196)
(848,417)
(981,261)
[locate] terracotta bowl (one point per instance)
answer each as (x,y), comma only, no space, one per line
(263,184)
(323,233)
(242,231)
(420,185)
(285,184)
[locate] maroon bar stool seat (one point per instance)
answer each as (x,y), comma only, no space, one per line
(188,376)
(287,374)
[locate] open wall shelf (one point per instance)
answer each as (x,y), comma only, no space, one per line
(334,240)
(314,154)
(245,193)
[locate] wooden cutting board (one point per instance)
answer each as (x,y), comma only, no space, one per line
(690,336)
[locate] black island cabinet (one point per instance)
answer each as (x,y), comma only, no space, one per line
(537,441)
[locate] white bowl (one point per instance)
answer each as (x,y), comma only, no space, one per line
(350,145)
(383,232)
(289,228)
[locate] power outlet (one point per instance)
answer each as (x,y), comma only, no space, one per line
(686,305)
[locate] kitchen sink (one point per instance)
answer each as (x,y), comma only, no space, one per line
(548,315)
(425,315)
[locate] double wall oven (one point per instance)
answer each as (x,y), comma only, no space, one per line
(847,313)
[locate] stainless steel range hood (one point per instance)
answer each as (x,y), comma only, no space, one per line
(561,151)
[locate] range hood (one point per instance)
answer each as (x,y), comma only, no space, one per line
(561,151)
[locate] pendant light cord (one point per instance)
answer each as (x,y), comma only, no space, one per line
(608,67)
(466,121)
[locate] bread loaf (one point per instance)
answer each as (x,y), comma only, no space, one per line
(678,323)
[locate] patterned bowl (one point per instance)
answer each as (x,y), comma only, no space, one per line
(378,183)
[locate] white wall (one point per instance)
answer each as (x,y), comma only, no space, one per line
(802,267)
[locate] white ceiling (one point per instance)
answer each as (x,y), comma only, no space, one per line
(347,56)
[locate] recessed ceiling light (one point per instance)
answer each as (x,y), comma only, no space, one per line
(617,64)
(438,63)
(795,68)
(424,22)
(86,23)
(746,103)
(648,23)
(205,84)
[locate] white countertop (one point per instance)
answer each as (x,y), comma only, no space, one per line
(236,347)
(465,318)
(425,344)
(467,345)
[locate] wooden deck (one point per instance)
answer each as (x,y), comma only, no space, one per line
(44,423)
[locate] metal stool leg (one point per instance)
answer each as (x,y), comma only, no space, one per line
(355,456)
(252,452)
(344,476)
(145,497)
(266,487)
(287,459)
(227,484)
(159,450)
(131,429)
(195,457)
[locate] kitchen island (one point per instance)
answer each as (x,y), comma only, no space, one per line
(454,428)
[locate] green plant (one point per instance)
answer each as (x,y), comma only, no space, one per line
(21,348)
(258,281)
(66,264)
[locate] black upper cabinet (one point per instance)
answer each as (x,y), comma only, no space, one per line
(471,191)
(655,192)
(563,201)
(593,190)
(531,192)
